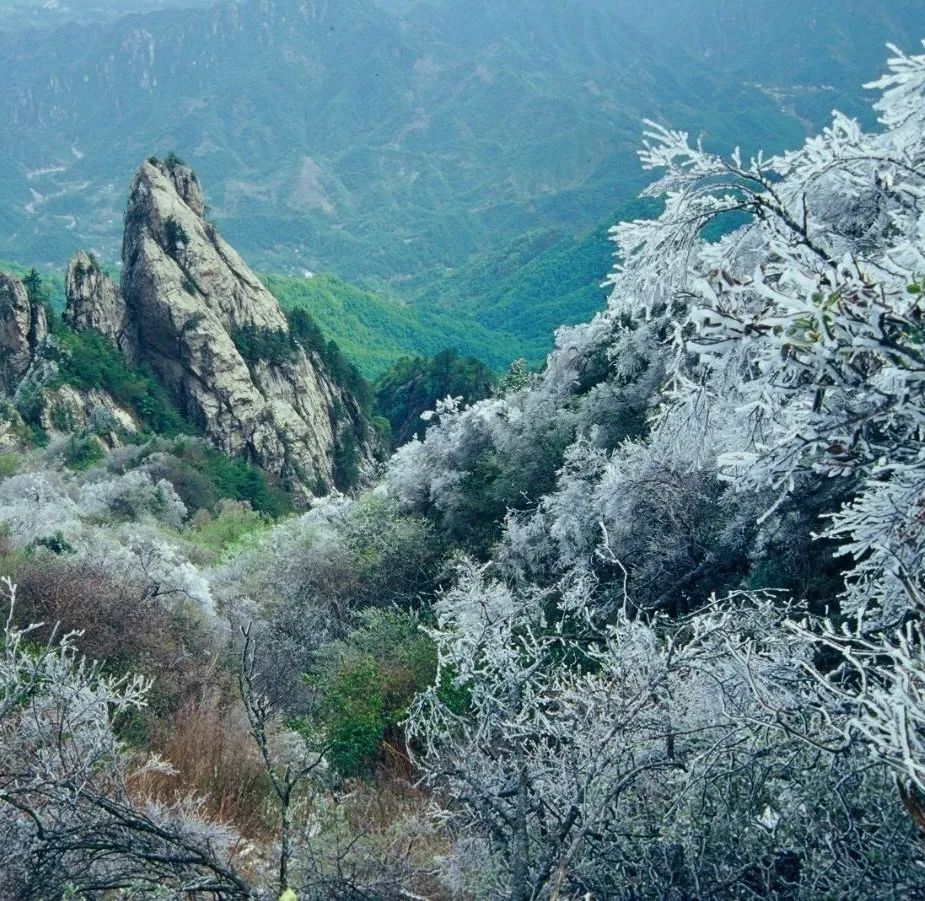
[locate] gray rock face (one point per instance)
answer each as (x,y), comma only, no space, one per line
(193,306)
(23,327)
(93,301)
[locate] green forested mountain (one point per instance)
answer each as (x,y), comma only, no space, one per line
(464,158)
(374,329)
(341,137)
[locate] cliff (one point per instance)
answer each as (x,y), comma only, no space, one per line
(23,328)
(217,340)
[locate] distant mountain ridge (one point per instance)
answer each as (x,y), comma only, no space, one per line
(16,14)
(340,137)
(812,55)
(421,146)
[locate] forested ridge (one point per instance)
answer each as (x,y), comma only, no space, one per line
(456,164)
(644,623)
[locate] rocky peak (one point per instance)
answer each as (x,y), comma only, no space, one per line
(163,228)
(218,341)
(23,327)
(186,184)
(93,301)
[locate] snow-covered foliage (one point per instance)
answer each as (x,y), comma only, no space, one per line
(616,756)
(124,524)
(67,818)
(503,453)
(132,496)
(800,336)
(304,579)
(772,381)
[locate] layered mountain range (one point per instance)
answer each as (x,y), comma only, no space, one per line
(192,313)
(458,162)
(382,142)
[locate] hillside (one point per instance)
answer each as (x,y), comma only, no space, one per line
(375,328)
(342,138)
(436,154)
(810,60)
(644,624)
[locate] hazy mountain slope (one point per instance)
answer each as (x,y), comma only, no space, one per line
(48,13)
(464,155)
(342,138)
(531,287)
(810,55)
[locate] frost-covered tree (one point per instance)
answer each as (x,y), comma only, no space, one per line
(777,374)
(68,816)
(800,341)
(624,758)
(800,335)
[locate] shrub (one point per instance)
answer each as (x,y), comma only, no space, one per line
(234,479)
(413,386)
(56,543)
(194,489)
(83,453)
(10,462)
(29,405)
(120,624)
(132,497)
(366,683)
(174,235)
(261,345)
(232,522)
(203,476)
(88,361)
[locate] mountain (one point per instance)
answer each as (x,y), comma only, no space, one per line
(809,57)
(190,314)
(16,14)
(340,137)
(413,148)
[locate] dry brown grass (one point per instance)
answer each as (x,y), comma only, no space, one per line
(216,761)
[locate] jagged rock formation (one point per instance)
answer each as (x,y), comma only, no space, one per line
(23,327)
(93,302)
(193,310)
(67,410)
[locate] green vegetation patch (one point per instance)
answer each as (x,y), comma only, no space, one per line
(374,329)
(413,386)
(366,683)
(203,476)
(88,361)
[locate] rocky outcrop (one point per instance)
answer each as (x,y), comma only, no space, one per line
(218,341)
(69,411)
(23,328)
(94,302)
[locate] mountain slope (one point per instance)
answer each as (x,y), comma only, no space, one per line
(422,148)
(342,138)
(813,54)
(15,14)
